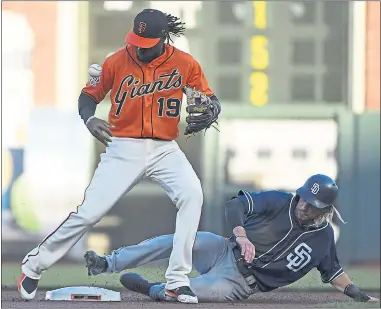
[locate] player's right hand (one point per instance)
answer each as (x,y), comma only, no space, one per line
(100,129)
(247,249)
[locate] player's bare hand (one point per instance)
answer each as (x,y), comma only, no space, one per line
(100,129)
(247,249)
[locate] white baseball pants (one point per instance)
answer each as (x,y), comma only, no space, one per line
(125,162)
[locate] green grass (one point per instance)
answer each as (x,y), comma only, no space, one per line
(363,278)
(61,275)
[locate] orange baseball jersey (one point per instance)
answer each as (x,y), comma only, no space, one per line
(146,97)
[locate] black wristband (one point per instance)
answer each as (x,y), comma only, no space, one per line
(354,292)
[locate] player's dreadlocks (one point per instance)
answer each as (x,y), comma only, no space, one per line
(175,27)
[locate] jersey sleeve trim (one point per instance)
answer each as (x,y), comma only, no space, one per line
(88,94)
(250,201)
(335,275)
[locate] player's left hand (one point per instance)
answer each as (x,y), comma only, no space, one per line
(247,249)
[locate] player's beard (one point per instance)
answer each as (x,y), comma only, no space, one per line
(308,222)
(303,219)
(148,54)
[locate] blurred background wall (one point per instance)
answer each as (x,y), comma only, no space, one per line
(298,81)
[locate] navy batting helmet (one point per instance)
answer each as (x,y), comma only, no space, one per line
(319,190)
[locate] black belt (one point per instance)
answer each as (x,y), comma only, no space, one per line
(243,269)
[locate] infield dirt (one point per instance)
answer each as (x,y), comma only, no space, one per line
(11,299)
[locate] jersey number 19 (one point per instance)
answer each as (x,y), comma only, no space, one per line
(170,107)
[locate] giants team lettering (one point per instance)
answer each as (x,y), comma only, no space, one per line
(299,258)
(163,83)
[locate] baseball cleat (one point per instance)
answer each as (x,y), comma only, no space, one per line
(136,283)
(95,264)
(27,287)
(183,294)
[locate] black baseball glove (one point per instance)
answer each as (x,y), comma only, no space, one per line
(202,111)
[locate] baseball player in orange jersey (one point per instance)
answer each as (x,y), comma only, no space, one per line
(146,80)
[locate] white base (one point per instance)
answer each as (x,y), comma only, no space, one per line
(83,293)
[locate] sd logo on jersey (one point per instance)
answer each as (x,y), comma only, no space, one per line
(300,259)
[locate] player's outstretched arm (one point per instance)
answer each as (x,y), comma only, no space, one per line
(344,284)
